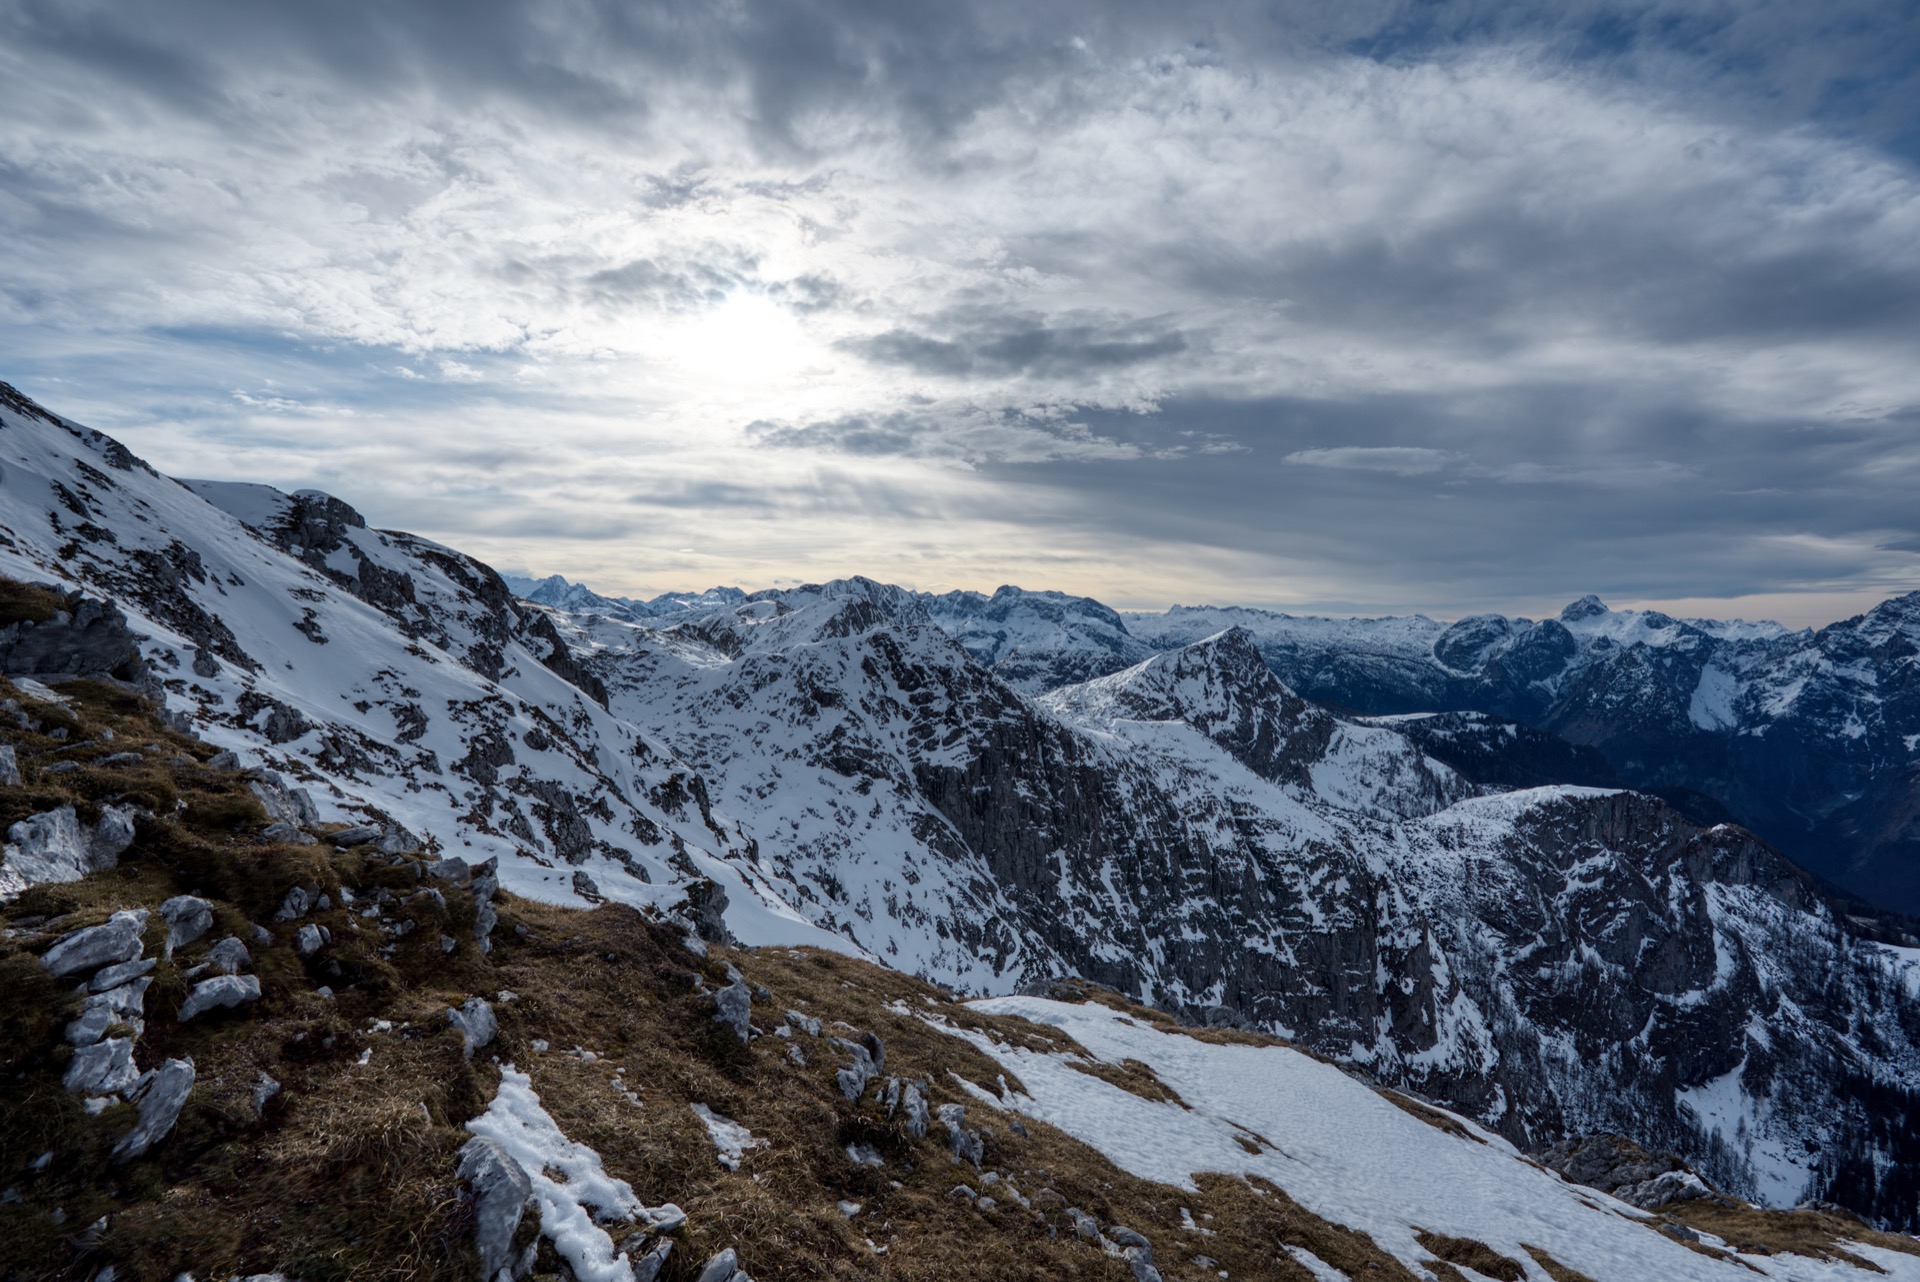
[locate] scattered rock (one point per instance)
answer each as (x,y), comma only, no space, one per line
(264,1089)
(966,1143)
(122,973)
(868,1058)
(287,835)
(475,1020)
(500,1190)
(161,1099)
(9,767)
(55,847)
(219,993)
(102,1068)
(188,918)
(295,905)
(310,939)
(292,806)
(724,1267)
(805,1023)
(485,883)
(90,1027)
(587,888)
(647,1267)
(358,835)
(229,956)
(115,940)
(734,1008)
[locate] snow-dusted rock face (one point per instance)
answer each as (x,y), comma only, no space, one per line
(399,680)
(1810,738)
(1560,960)
(1037,641)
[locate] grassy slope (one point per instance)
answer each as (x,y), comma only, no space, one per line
(349,1173)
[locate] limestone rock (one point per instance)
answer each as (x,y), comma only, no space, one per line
(55,846)
(188,918)
(229,956)
(310,939)
(734,1008)
(646,1268)
(9,767)
(220,992)
(121,973)
(102,1068)
(161,1099)
(476,1022)
(115,940)
(500,1191)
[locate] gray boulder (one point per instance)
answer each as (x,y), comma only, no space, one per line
(485,884)
(869,1057)
(90,1027)
(229,956)
(123,973)
(475,1020)
(295,905)
(805,1023)
(287,834)
(724,1267)
(219,993)
(500,1190)
(55,846)
(188,918)
(647,1267)
(9,767)
(161,1099)
(966,1143)
(310,939)
(358,835)
(102,1068)
(734,1008)
(115,940)
(282,803)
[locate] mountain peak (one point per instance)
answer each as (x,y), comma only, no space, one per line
(1587,607)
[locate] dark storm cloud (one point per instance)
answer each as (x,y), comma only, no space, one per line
(1678,504)
(979,342)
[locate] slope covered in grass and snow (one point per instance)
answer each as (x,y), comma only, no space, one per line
(1349,1155)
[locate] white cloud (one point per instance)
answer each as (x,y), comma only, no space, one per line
(1400,460)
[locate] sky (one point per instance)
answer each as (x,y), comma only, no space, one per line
(1373,307)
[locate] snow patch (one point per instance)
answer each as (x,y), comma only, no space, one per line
(583,1191)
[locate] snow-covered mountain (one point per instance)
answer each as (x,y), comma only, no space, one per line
(397,679)
(1184,826)
(1810,738)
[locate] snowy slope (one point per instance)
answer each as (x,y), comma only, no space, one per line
(394,677)
(1347,1154)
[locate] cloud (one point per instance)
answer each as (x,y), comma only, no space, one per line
(979,343)
(1400,460)
(1348,302)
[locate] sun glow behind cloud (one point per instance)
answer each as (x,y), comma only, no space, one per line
(1110,307)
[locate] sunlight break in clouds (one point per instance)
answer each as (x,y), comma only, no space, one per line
(1317,316)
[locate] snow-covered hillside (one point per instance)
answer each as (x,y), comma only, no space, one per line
(397,679)
(1184,827)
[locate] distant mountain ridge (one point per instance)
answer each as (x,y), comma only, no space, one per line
(1810,737)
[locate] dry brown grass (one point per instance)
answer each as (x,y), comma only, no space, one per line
(1470,1253)
(1753,1230)
(1554,1269)
(1432,1116)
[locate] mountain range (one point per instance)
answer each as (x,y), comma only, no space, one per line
(1406,846)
